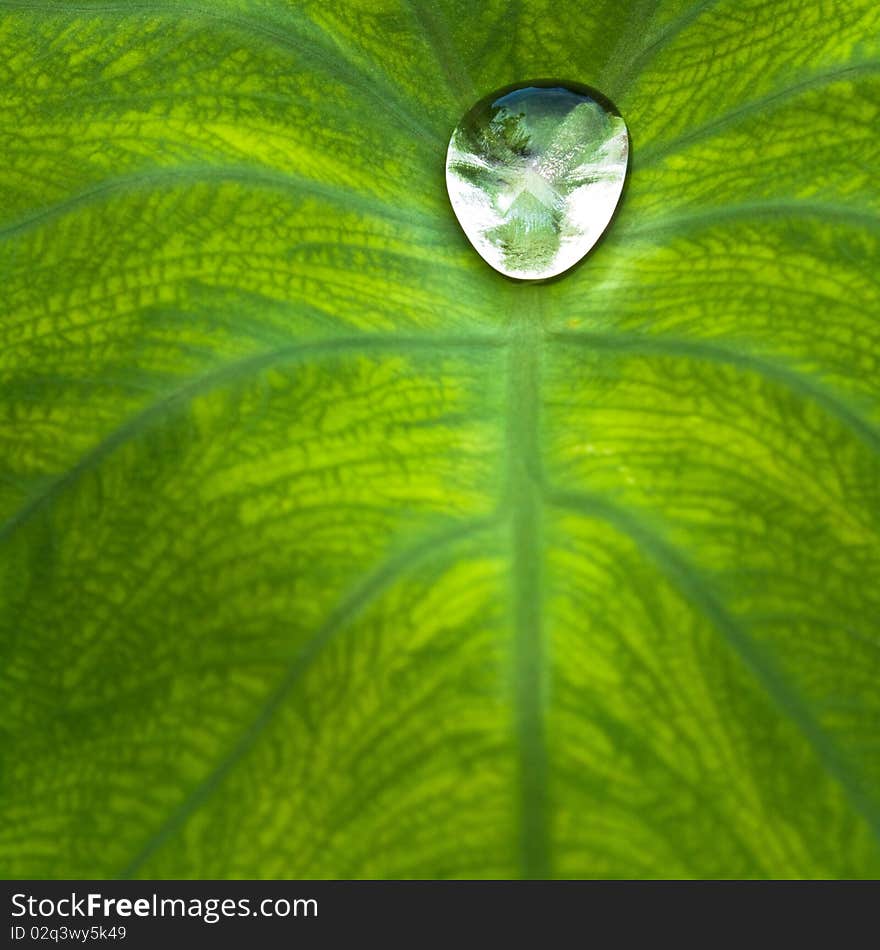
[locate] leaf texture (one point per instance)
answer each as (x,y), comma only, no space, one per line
(327,552)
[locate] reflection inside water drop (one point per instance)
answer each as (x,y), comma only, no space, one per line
(534,173)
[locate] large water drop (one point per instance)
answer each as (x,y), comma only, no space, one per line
(534,173)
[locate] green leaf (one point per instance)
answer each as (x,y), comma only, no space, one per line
(327,551)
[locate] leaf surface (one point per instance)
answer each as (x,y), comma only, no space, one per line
(327,552)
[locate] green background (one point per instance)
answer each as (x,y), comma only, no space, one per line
(325,551)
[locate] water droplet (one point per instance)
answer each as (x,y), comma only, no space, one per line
(534,173)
